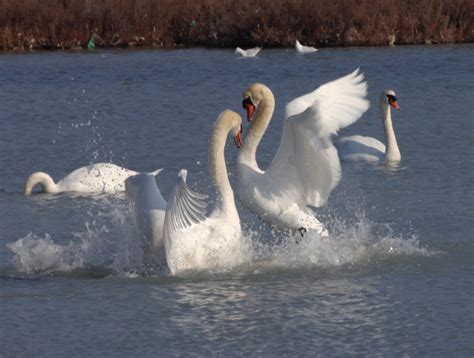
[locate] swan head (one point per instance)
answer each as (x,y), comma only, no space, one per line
(389,98)
(232,120)
(253,96)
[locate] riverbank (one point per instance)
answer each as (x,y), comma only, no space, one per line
(75,24)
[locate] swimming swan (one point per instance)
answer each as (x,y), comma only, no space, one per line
(360,148)
(306,167)
(251,52)
(148,208)
(192,240)
(92,179)
(304,49)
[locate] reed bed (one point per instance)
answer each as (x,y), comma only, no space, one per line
(67,24)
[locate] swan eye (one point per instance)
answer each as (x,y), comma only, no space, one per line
(247,101)
(391,98)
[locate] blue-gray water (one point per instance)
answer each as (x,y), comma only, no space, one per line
(395,279)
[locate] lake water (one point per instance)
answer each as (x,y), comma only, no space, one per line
(395,279)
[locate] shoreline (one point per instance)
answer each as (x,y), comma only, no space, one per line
(181,47)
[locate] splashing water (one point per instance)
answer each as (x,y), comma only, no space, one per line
(116,248)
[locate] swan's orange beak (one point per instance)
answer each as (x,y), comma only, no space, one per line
(249,107)
(238,139)
(393,103)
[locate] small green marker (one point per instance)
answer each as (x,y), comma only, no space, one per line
(91,43)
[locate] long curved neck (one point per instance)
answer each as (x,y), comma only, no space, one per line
(217,166)
(44,180)
(392,153)
(257,130)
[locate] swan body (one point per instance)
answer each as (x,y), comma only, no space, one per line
(148,208)
(360,148)
(194,241)
(306,167)
(91,179)
(251,52)
(304,49)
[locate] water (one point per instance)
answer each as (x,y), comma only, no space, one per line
(395,279)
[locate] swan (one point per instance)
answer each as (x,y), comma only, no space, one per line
(192,239)
(304,49)
(359,148)
(148,207)
(251,52)
(306,167)
(91,179)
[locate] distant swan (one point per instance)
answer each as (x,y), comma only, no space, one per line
(192,240)
(251,52)
(304,49)
(306,167)
(359,148)
(148,208)
(92,179)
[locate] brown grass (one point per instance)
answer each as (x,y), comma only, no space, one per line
(52,24)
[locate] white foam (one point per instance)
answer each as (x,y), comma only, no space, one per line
(111,242)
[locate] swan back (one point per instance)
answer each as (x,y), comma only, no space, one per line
(251,52)
(148,207)
(96,178)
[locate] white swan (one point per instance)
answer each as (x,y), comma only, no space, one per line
(92,179)
(304,49)
(192,240)
(359,148)
(306,167)
(148,208)
(251,52)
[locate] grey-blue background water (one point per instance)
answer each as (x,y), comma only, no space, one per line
(396,278)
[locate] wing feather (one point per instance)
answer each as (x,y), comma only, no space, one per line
(306,167)
(185,206)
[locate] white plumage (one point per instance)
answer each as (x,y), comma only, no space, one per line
(92,179)
(304,49)
(361,148)
(148,208)
(194,241)
(251,52)
(306,167)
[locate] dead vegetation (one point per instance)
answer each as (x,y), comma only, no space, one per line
(66,24)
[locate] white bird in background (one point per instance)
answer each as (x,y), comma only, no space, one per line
(306,167)
(304,49)
(92,179)
(148,208)
(360,148)
(192,240)
(251,52)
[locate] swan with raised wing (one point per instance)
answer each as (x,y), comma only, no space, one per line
(361,148)
(148,207)
(306,167)
(194,241)
(251,52)
(302,49)
(92,179)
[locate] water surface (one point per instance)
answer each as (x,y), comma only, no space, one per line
(395,279)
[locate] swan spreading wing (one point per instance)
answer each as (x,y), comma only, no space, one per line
(185,206)
(306,167)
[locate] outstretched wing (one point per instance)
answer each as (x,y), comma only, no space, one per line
(306,167)
(185,206)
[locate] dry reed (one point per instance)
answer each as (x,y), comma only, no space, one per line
(65,24)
